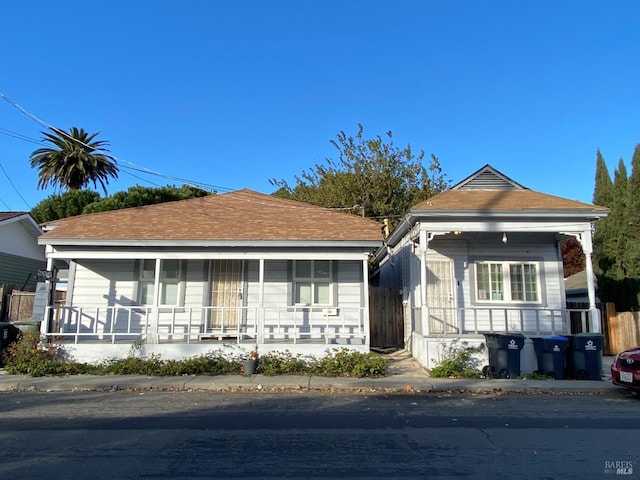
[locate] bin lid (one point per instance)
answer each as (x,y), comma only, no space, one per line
(557,338)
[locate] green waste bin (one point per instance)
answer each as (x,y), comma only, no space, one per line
(504,354)
(550,353)
(8,335)
(584,356)
(28,325)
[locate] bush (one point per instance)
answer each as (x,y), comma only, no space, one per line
(458,360)
(28,355)
(349,363)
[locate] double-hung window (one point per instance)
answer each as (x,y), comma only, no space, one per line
(169,284)
(312,282)
(507,282)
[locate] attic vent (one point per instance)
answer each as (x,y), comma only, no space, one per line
(488,180)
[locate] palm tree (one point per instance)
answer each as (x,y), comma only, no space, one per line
(74,160)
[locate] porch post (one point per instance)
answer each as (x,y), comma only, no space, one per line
(594,313)
(153,319)
(424,310)
(260,312)
(44,322)
(365,297)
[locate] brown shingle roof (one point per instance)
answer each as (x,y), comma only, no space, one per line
(243,215)
(502,201)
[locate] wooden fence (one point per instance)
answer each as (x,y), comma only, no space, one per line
(621,329)
(386,318)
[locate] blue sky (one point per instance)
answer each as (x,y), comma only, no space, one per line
(233,93)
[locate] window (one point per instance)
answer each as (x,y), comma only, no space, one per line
(312,282)
(169,282)
(507,282)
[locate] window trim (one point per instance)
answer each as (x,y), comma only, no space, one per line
(506,281)
(158,281)
(313,280)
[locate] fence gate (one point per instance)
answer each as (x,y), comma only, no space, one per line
(386,318)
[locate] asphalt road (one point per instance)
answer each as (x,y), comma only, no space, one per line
(196,435)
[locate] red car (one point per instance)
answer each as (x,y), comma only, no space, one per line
(625,369)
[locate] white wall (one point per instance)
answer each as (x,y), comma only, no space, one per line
(17,240)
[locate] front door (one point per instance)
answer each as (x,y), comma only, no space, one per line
(226,294)
(440,298)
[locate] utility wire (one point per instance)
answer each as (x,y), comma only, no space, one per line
(14,187)
(133,165)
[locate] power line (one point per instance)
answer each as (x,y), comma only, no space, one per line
(14,187)
(134,166)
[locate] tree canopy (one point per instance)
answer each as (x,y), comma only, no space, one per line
(371,177)
(617,237)
(76,202)
(74,160)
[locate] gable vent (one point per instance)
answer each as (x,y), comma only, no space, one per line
(488,180)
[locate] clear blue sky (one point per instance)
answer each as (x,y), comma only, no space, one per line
(234,93)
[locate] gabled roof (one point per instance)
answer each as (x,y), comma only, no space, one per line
(489,191)
(488,195)
(240,216)
(25,219)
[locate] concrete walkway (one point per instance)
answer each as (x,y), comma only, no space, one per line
(405,375)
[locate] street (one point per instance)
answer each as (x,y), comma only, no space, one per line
(186,435)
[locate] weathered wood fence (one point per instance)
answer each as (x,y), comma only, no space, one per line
(386,318)
(621,329)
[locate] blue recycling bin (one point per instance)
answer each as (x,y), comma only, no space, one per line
(584,356)
(550,354)
(504,354)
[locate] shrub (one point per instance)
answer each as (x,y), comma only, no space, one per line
(458,360)
(285,363)
(29,355)
(349,363)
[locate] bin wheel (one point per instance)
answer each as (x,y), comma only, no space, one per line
(504,373)
(582,375)
(486,371)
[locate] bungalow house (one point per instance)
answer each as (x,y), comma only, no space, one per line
(20,255)
(223,271)
(484,257)
(20,259)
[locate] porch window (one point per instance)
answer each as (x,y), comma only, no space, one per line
(170,273)
(312,282)
(507,281)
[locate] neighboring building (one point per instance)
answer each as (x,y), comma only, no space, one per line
(484,256)
(20,255)
(195,275)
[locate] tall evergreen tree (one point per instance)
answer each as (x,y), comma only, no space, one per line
(632,240)
(602,195)
(603,192)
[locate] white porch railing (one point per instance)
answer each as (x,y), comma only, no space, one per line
(531,321)
(289,324)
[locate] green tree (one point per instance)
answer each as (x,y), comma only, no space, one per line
(371,177)
(138,196)
(73,160)
(632,220)
(67,204)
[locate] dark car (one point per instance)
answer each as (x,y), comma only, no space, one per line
(625,369)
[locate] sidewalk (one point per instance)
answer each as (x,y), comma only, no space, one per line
(405,375)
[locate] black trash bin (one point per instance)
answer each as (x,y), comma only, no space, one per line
(584,356)
(550,353)
(504,354)
(8,335)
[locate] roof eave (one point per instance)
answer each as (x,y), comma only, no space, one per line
(211,243)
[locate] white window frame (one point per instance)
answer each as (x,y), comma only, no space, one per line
(159,282)
(313,281)
(507,268)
